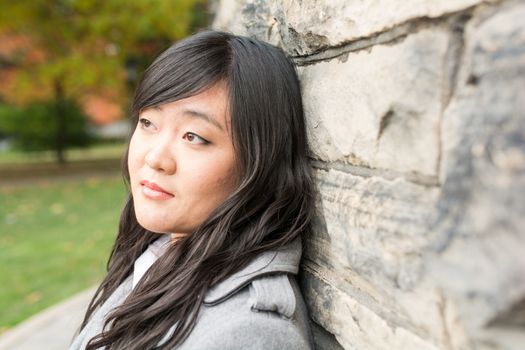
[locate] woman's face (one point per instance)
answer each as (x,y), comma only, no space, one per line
(182,162)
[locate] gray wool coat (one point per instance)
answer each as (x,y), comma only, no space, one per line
(259,307)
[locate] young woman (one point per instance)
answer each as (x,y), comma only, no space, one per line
(221,192)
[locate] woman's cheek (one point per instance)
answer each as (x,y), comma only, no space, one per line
(136,155)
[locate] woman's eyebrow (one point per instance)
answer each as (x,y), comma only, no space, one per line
(197,114)
(203,116)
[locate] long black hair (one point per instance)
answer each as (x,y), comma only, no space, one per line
(272,205)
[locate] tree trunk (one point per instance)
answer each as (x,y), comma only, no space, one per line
(61,130)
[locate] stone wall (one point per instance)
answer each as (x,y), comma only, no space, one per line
(416,115)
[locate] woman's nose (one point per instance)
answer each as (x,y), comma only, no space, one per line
(160,158)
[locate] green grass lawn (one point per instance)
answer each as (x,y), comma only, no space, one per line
(55,239)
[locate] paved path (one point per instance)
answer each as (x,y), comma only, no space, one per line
(46,180)
(29,171)
(51,329)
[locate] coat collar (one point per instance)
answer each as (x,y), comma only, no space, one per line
(283,260)
(286,259)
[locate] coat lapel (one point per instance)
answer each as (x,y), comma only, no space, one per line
(284,260)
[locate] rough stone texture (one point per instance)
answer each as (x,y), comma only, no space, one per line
(304,27)
(387,97)
(363,264)
(479,231)
(416,116)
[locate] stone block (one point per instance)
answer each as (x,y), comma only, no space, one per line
(478,230)
(354,325)
(305,27)
(369,245)
(379,108)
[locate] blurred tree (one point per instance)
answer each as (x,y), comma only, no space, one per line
(77,48)
(37,132)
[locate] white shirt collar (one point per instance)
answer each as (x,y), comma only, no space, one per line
(150,255)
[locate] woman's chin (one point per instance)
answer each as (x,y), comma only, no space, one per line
(154,226)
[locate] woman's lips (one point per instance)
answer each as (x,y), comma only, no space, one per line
(154,191)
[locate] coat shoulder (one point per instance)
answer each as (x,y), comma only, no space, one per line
(269,313)
(265,330)
(271,316)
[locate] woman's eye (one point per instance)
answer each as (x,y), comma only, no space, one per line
(145,123)
(195,139)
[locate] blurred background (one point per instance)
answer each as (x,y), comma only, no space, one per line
(68,69)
